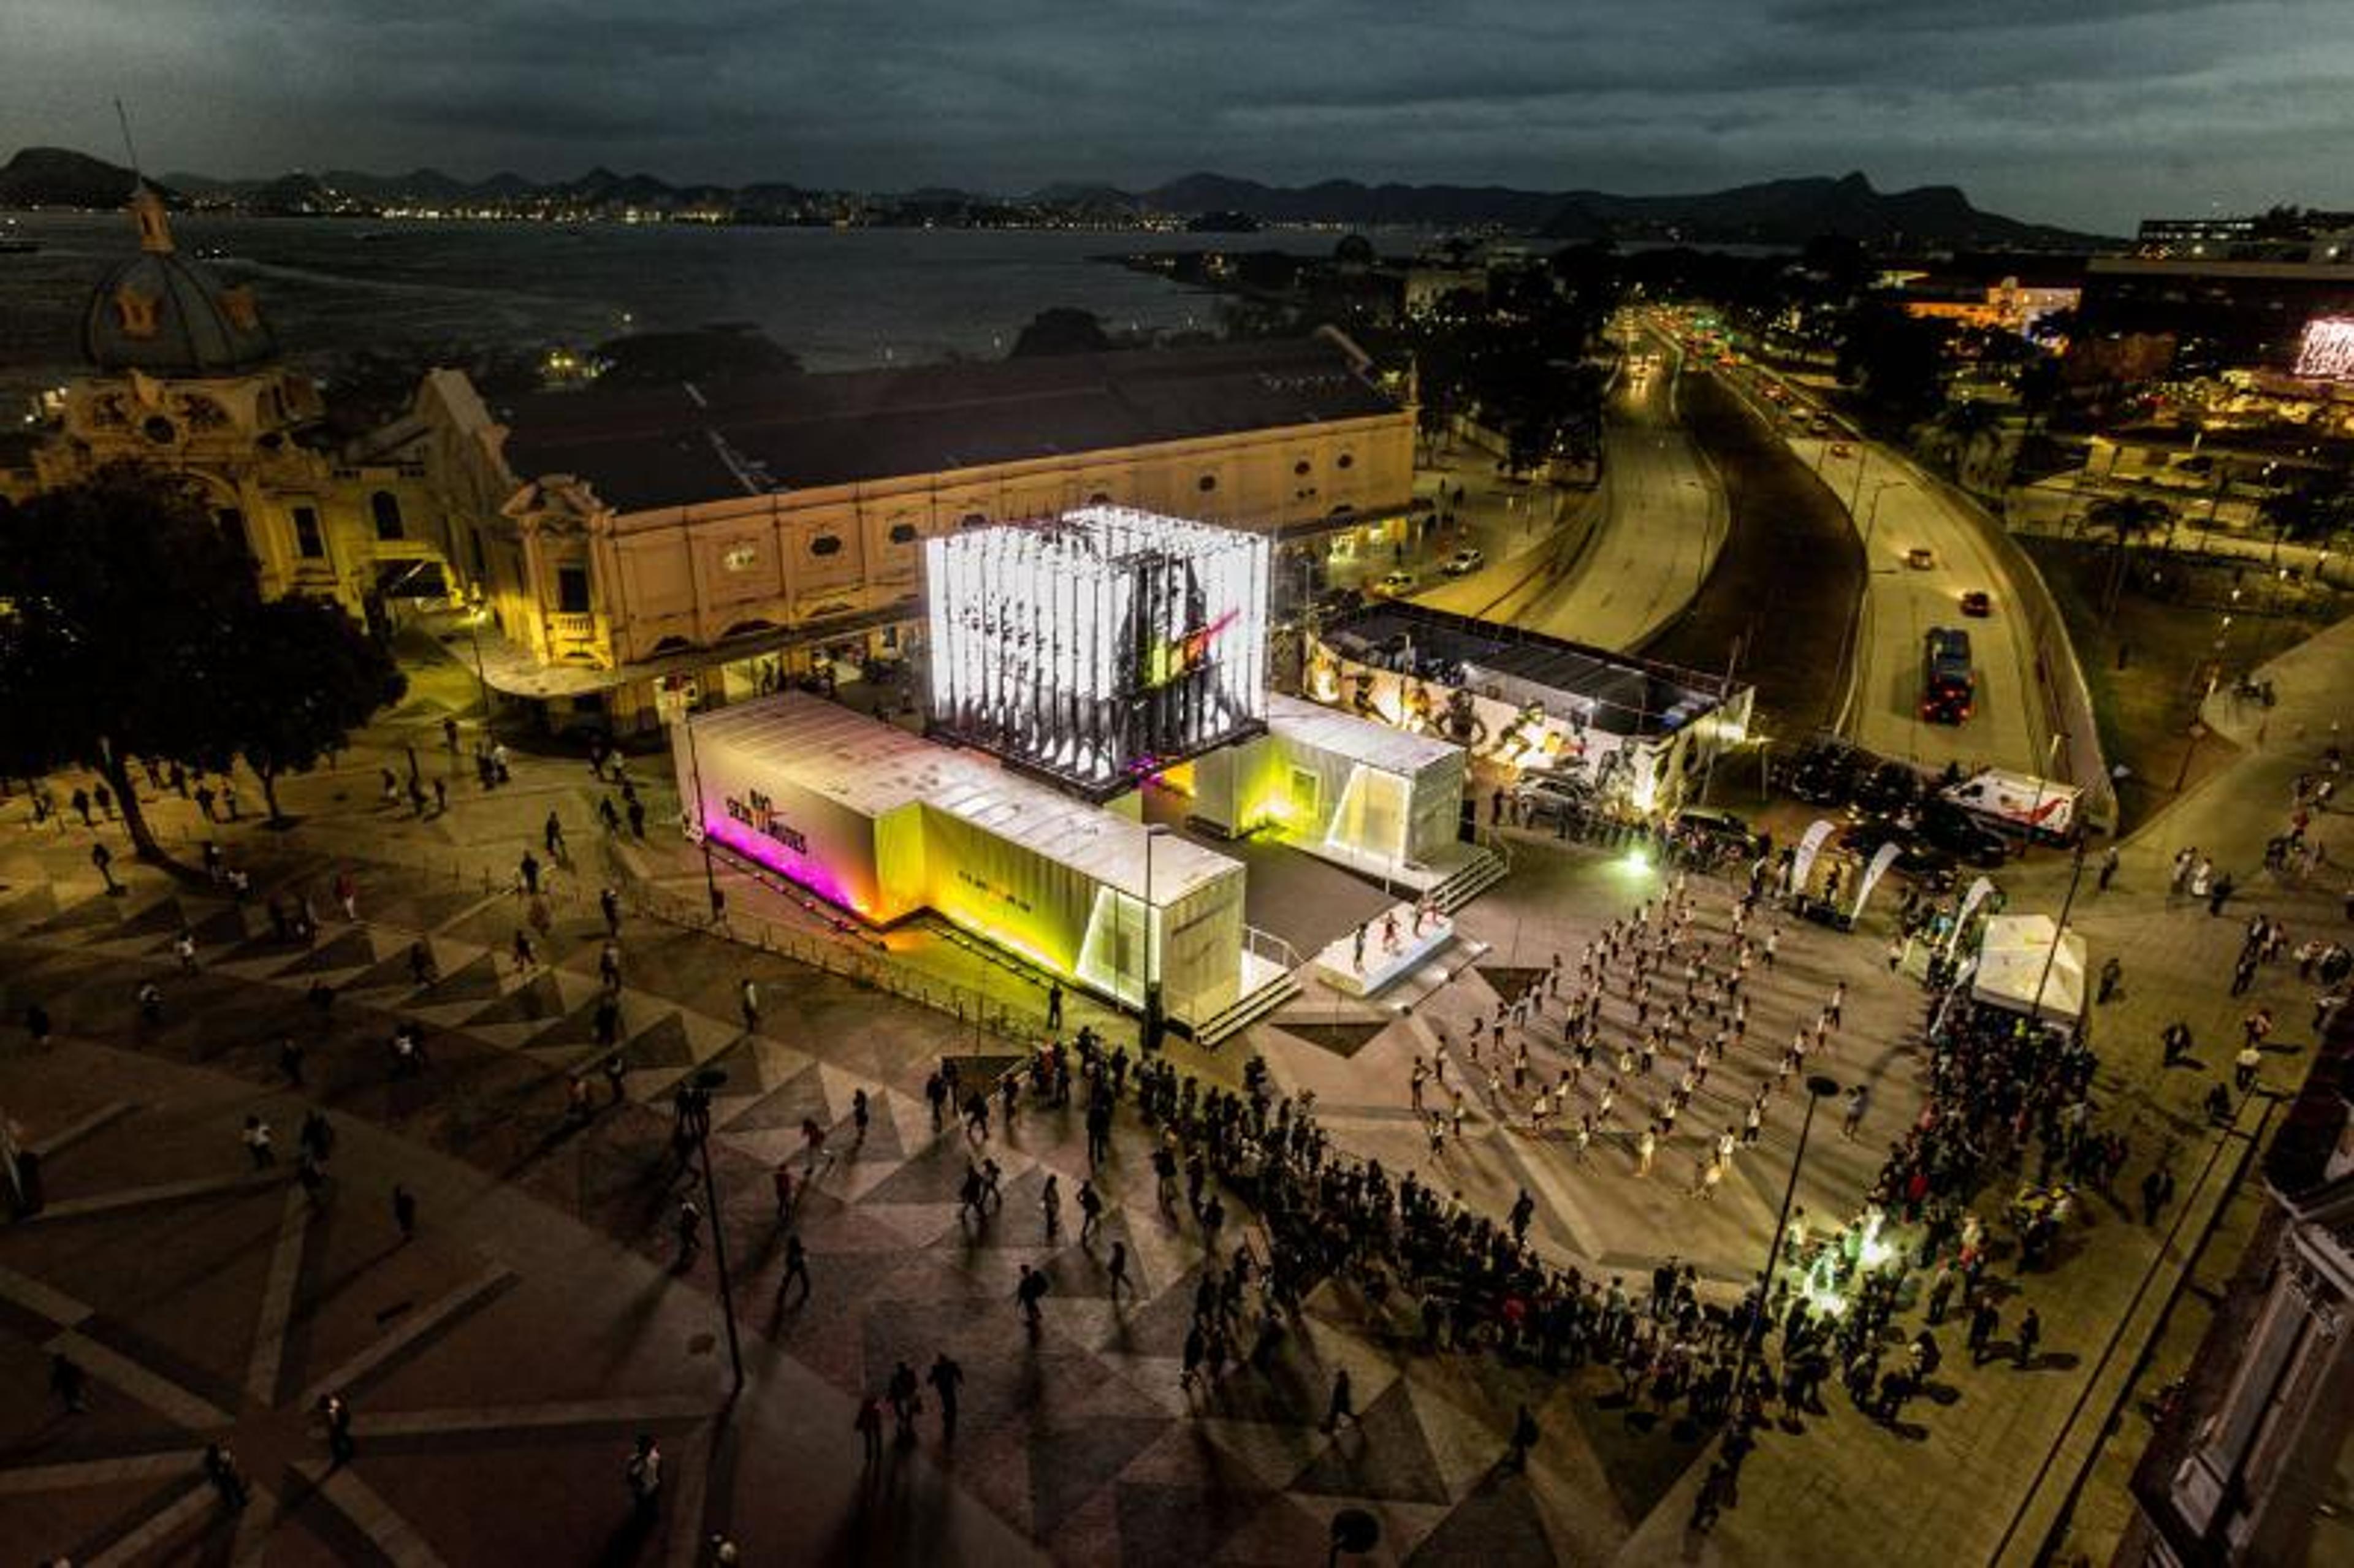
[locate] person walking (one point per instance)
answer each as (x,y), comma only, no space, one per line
(609,903)
(748,1001)
(1524,1437)
(1090,1211)
(1342,1405)
(221,1468)
(946,1378)
(69,1382)
(1858,1098)
(796,1269)
(2030,1331)
(1116,1269)
(2156,1192)
(1029,1291)
(336,1416)
(781,1178)
(2108,869)
(551,832)
(901,1392)
(528,868)
(643,1472)
(690,1235)
(257,1143)
(868,1422)
(404,1212)
(1985,1319)
(1053,1006)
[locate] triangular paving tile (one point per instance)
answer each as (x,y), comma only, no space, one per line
(349,950)
(475,983)
(539,999)
(96,911)
(1497,1526)
(801,1095)
(223,928)
(1066,1468)
(162,918)
(1162,1524)
(660,1046)
(1387,1458)
(1344,1039)
(1509,983)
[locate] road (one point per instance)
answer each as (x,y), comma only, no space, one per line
(1660,524)
(1898,509)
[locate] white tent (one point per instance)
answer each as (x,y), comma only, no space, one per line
(2012,960)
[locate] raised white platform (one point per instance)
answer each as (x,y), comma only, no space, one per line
(1383,963)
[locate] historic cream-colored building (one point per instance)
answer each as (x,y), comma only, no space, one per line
(186,376)
(617,537)
(581,548)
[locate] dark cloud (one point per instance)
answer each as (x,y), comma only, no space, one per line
(2091,112)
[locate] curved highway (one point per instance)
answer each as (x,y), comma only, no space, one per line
(1898,510)
(1660,525)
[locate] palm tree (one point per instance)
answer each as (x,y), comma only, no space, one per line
(2125,518)
(1970,422)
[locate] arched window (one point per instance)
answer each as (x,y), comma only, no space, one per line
(1345,459)
(1300,468)
(903,533)
(384,506)
(1208,483)
(825,545)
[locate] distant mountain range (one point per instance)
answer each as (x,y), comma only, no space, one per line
(1775,212)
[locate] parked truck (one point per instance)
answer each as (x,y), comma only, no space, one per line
(1948,686)
(2019,804)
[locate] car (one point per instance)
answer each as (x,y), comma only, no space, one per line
(1716,828)
(1465,561)
(1947,827)
(1842,450)
(1977,604)
(1921,558)
(1394,585)
(1551,797)
(1891,790)
(1915,860)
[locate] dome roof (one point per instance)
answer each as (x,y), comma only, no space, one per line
(166,315)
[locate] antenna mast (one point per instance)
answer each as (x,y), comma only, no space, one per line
(129,147)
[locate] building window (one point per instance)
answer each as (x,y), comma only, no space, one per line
(1344,461)
(572,590)
(740,557)
(1300,468)
(973,520)
(825,545)
(1206,483)
(309,543)
(903,533)
(384,506)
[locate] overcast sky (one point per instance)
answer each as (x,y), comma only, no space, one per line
(2092,112)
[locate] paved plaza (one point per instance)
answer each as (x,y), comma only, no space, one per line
(501,1362)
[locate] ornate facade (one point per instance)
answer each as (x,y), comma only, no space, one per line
(2251,1469)
(186,376)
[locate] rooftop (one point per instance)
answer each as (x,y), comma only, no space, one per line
(684,445)
(1614,692)
(1382,746)
(873,768)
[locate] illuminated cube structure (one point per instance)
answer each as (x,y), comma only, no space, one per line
(1099,645)
(2326,352)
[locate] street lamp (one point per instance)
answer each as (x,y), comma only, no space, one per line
(1819,1089)
(694,1109)
(1151,997)
(475,612)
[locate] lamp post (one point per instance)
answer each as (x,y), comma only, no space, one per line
(1151,998)
(474,635)
(696,1107)
(702,816)
(1819,1089)
(2075,875)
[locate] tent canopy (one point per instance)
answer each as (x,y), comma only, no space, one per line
(2012,959)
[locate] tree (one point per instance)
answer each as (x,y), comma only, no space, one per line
(1060,329)
(132,626)
(119,593)
(1898,360)
(302,676)
(2123,518)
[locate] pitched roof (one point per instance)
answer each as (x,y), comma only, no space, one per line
(682,445)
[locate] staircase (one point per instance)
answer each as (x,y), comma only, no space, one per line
(1486,868)
(1245,1011)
